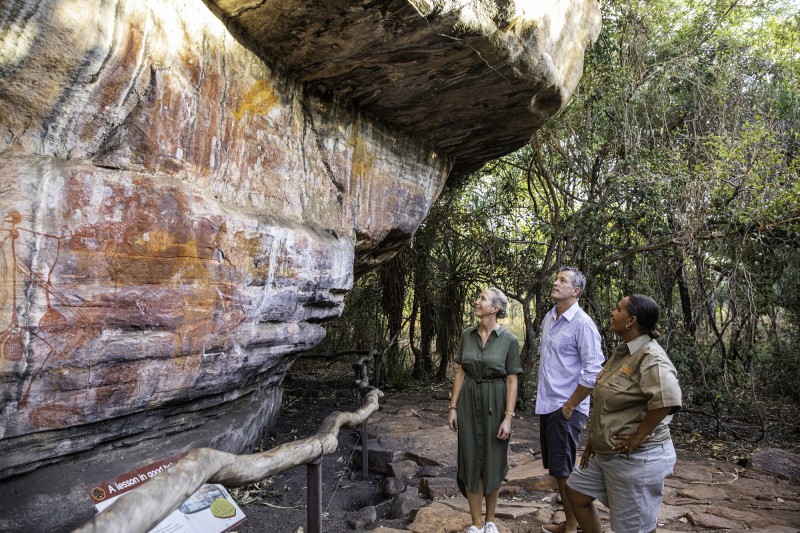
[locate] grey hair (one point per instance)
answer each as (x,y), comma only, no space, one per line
(499,300)
(578,279)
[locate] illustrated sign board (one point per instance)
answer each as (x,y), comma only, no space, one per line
(211,509)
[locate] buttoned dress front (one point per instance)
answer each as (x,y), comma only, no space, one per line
(482,405)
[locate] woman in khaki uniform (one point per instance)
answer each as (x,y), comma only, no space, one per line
(630,452)
(482,406)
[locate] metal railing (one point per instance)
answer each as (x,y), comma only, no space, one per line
(144,507)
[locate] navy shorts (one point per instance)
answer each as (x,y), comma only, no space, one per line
(559,440)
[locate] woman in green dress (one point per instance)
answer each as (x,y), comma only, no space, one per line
(482,406)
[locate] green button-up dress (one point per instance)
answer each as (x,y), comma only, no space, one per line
(482,405)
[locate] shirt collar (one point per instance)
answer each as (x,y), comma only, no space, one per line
(637,343)
(498,330)
(570,313)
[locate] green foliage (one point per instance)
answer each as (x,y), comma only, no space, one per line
(399,370)
(672,171)
(362,326)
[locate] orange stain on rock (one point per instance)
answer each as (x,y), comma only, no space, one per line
(259,100)
(157,241)
(252,247)
(363,158)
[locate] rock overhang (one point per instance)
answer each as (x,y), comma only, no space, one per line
(472,80)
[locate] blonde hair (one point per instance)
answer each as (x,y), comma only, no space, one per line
(499,300)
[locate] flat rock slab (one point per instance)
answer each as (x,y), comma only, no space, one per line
(691,471)
(768,529)
(742,517)
(710,521)
(703,493)
(668,513)
(531,476)
(441,518)
(505,508)
(434,446)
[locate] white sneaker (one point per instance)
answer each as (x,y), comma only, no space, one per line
(473,529)
(489,527)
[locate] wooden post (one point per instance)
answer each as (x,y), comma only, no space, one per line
(364,449)
(314,496)
(376,355)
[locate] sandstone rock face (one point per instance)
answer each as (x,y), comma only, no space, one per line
(187,195)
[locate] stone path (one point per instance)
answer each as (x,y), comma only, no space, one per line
(412,445)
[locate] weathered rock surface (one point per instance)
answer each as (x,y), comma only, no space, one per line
(362,518)
(776,462)
(393,486)
(185,198)
(406,503)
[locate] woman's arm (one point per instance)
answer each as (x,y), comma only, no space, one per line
(458,382)
(587,454)
(512,383)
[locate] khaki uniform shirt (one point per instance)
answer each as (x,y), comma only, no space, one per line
(636,378)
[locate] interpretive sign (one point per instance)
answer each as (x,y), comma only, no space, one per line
(211,509)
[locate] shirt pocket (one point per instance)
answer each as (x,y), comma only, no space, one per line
(565,343)
(620,382)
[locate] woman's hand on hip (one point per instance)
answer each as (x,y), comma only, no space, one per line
(629,443)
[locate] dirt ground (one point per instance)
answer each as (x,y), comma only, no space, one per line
(314,389)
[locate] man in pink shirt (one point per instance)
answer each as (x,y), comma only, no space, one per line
(570,357)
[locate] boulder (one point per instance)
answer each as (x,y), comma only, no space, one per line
(362,518)
(393,486)
(405,504)
(776,462)
(404,469)
(438,487)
